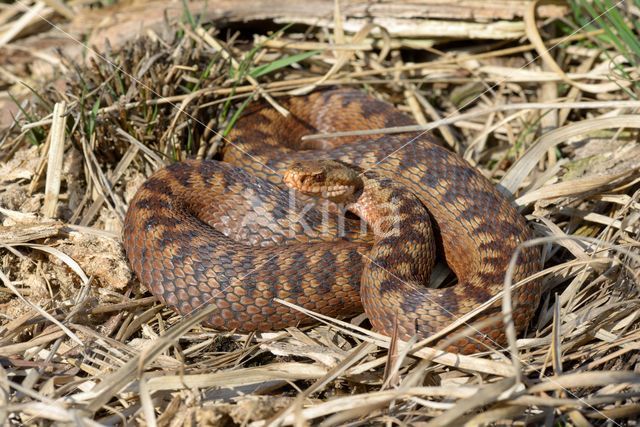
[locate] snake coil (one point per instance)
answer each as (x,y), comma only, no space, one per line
(230,233)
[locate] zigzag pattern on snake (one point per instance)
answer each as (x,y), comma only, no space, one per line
(228,232)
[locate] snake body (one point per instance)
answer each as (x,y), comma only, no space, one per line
(230,233)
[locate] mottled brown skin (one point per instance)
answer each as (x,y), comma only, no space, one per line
(225,233)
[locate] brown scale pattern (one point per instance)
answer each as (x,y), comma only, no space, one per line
(228,233)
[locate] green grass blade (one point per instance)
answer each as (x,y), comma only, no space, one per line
(35,135)
(93,117)
(605,26)
(187,15)
(623,30)
(282,63)
(236,116)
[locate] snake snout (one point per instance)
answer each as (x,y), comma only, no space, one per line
(328,179)
(304,178)
(308,177)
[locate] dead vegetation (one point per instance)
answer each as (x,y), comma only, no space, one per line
(82,342)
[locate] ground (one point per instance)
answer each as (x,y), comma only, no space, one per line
(81,339)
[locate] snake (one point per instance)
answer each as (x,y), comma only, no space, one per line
(232,232)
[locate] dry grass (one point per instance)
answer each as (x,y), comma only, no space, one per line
(82,342)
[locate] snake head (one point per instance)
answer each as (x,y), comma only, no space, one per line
(328,179)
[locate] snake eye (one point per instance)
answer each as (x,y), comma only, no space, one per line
(318,176)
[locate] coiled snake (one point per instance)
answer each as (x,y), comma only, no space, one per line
(230,233)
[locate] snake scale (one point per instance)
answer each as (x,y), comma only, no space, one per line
(229,232)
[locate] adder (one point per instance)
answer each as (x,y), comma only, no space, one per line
(229,232)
